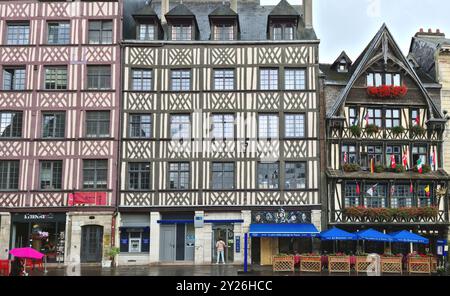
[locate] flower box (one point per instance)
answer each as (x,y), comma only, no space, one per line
(339,264)
(311,264)
(421,265)
(283,263)
(362,264)
(387,91)
(391,265)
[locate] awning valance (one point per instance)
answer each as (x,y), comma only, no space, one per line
(283,230)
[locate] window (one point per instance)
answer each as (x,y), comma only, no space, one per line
(58,32)
(223,126)
(352,198)
(424,199)
(415,117)
(352,156)
(378,198)
(375,153)
(180,127)
(10,124)
(139,176)
(268,175)
(378,79)
(402,196)
(295,125)
(95,174)
(223,175)
(392,118)
(393,79)
(295,79)
(99,77)
(268,79)
(18,33)
(55,78)
(14,78)
(9,174)
(140,126)
(182,32)
(51,175)
(375,117)
(268,126)
(224,32)
(419,152)
(353,116)
(97,124)
(142,79)
(295,175)
(397,152)
(53,125)
(146,32)
(223,79)
(283,32)
(100,32)
(179,175)
(181,80)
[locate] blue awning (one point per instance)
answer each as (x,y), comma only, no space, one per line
(283,230)
(373,235)
(408,237)
(336,234)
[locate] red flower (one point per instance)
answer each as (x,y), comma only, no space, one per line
(372,91)
(386,91)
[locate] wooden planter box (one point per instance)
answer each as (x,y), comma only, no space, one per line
(283,263)
(419,265)
(361,264)
(311,264)
(339,264)
(434,264)
(391,265)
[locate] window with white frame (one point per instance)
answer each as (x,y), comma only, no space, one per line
(295,79)
(222,126)
(268,79)
(295,125)
(268,126)
(142,79)
(223,79)
(180,126)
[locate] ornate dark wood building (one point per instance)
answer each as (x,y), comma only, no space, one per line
(220,126)
(384,142)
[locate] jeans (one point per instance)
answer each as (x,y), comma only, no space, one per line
(220,253)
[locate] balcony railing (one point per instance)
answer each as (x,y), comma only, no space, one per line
(384,134)
(341,217)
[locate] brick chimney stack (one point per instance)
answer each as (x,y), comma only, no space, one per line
(308,13)
(430,33)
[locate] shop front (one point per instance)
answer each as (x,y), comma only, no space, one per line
(44,232)
(134,236)
(177,237)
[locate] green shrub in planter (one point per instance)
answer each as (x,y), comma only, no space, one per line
(356,131)
(426,168)
(399,169)
(379,169)
(372,129)
(351,167)
(398,130)
(417,130)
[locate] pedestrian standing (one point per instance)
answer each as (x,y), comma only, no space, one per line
(220,247)
(16,267)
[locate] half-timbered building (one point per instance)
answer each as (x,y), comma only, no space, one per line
(220,128)
(384,142)
(59,132)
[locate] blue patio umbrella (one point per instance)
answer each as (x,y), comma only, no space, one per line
(373,235)
(336,234)
(409,237)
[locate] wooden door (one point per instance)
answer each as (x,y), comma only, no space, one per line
(269,248)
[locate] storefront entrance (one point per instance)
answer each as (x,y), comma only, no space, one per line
(226,233)
(44,232)
(177,242)
(91,244)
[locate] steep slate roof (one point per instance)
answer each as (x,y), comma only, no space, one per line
(147,10)
(343,55)
(253,18)
(223,10)
(284,9)
(383,36)
(180,10)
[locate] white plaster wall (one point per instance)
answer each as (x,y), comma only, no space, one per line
(5,227)
(154,236)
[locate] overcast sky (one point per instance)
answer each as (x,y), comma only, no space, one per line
(350,24)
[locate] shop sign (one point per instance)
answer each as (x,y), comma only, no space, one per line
(238,244)
(88,198)
(281,217)
(38,217)
(442,248)
(199,220)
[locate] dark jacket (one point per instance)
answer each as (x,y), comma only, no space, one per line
(16,268)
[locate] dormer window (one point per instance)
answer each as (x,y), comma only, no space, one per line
(181,32)
(146,32)
(343,66)
(283,32)
(224,32)
(379,79)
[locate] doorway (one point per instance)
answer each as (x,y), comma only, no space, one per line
(168,243)
(91,244)
(226,233)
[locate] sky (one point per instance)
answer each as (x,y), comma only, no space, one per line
(350,24)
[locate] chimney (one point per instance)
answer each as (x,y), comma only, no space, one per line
(430,33)
(164,10)
(308,13)
(234,5)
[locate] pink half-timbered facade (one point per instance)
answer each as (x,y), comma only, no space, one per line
(59,114)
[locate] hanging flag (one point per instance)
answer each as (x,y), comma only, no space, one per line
(417,120)
(428,190)
(356,122)
(358,189)
(372,190)
(345,157)
(411,188)
(393,162)
(420,165)
(372,166)
(405,158)
(392,190)
(434,163)
(367,117)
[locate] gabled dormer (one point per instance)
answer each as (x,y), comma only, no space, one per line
(283,22)
(148,25)
(182,24)
(342,64)
(224,24)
